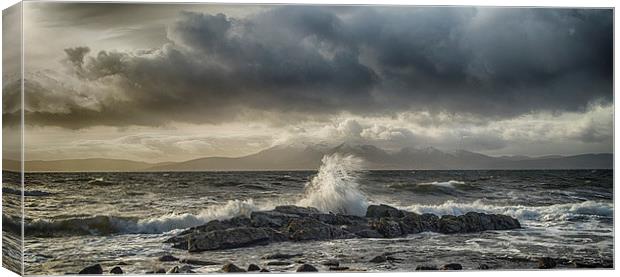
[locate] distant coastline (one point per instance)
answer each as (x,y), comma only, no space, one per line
(302,159)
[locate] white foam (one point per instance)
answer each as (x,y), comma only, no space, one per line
(540,213)
(448,184)
(186,220)
(335,187)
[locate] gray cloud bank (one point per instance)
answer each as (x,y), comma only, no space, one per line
(300,62)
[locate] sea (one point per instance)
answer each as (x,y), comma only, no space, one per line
(73,220)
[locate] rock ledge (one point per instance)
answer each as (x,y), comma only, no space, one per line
(292,223)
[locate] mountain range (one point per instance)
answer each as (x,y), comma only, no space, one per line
(309,158)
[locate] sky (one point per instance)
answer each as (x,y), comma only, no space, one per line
(172,82)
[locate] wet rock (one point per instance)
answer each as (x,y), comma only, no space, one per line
(429,222)
(475,222)
(93,269)
(452,266)
(578,264)
(196,262)
(387,227)
(229,267)
(278,263)
(292,223)
(253,267)
(116,270)
(411,223)
(426,267)
(338,268)
(168,258)
(383,211)
(275,236)
(483,267)
(368,233)
(271,219)
(546,263)
(290,209)
(449,224)
(281,256)
(227,239)
(331,263)
(312,229)
(378,259)
(180,241)
(307,268)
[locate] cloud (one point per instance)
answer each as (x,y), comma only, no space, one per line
(310,62)
(76,55)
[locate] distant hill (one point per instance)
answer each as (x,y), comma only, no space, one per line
(80,165)
(275,158)
(309,158)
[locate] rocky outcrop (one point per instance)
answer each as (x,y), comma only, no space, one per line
(452,266)
(253,267)
(116,270)
(292,223)
(307,268)
(229,238)
(426,267)
(546,263)
(229,267)
(383,211)
(91,270)
(168,258)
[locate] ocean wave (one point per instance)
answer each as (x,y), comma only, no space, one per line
(26,192)
(108,224)
(448,184)
(554,212)
(335,188)
(181,221)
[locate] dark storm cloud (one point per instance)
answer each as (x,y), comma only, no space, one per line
(487,62)
(76,55)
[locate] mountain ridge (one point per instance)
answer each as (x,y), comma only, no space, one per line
(284,157)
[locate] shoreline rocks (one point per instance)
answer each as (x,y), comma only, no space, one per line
(91,270)
(293,223)
(546,263)
(307,268)
(230,267)
(452,266)
(253,267)
(334,265)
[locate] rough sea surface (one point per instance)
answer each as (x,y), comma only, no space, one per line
(77,219)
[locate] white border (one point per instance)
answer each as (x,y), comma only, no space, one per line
(520,3)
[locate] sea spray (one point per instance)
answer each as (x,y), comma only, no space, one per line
(180,221)
(335,187)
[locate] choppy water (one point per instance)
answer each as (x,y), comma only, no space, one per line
(77,219)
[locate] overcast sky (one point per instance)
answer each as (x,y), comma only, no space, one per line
(175,82)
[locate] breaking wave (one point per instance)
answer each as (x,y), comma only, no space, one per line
(555,212)
(103,224)
(335,188)
(448,184)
